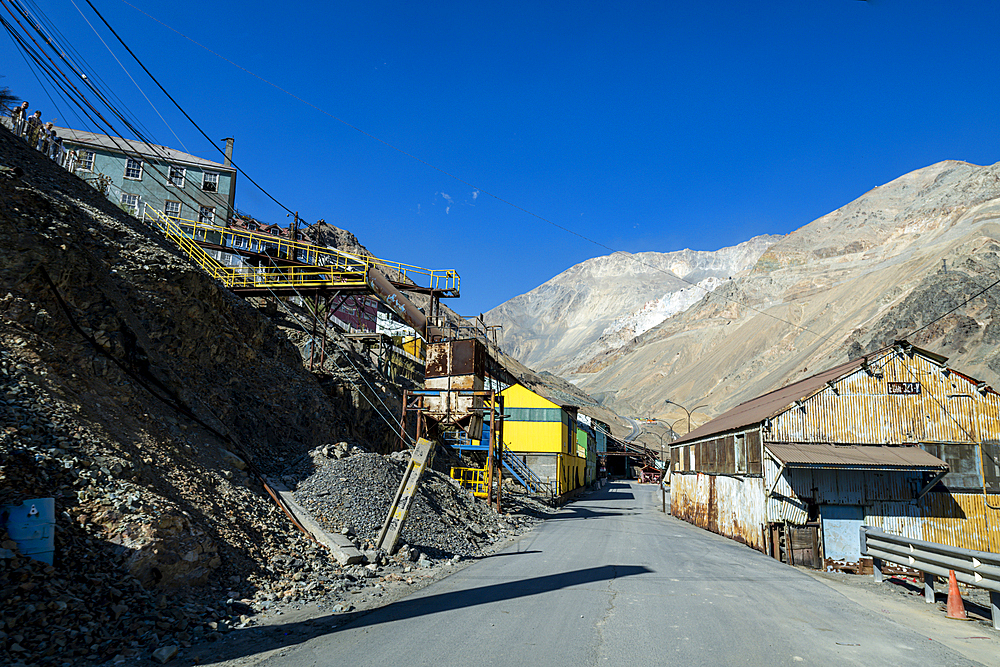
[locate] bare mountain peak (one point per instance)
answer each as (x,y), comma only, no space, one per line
(611,298)
(891,264)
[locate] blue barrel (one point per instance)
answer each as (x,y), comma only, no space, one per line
(32,524)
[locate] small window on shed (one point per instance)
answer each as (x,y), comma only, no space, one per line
(206,214)
(133,169)
(175,176)
(990,451)
(754,453)
(963,465)
(740,453)
(210,181)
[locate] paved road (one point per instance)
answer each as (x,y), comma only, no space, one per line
(612,581)
(636,429)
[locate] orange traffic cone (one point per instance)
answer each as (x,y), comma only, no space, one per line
(956,608)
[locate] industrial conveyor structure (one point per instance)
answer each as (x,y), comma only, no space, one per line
(275,266)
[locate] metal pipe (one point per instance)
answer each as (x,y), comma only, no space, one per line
(399,303)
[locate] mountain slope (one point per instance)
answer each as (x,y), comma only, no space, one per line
(605,301)
(876,269)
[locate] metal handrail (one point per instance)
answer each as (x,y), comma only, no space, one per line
(446,280)
(473,479)
(975,568)
(525,475)
(186,238)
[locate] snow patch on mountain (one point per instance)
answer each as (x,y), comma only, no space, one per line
(638,322)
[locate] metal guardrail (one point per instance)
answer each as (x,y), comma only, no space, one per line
(975,568)
(186,237)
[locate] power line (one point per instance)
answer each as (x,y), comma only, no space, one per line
(180,108)
(463,181)
(944,315)
(450,175)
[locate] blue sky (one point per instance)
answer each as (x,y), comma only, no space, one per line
(652,126)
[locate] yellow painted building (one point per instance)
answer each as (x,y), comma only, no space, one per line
(543,435)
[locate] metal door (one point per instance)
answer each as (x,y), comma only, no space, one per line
(841,531)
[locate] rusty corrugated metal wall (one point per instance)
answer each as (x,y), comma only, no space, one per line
(877,405)
(729,506)
(859,408)
(956,519)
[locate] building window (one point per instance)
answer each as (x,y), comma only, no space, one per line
(206,214)
(130,203)
(535,415)
(86,161)
(210,182)
(172,209)
(175,176)
(133,169)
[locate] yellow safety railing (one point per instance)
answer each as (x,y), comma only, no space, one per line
(473,479)
(186,237)
(190,248)
(445,280)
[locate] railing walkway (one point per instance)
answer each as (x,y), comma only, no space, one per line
(190,237)
(330,265)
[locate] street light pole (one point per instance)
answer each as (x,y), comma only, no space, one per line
(705,405)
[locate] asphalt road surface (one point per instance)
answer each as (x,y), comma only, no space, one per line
(612,581)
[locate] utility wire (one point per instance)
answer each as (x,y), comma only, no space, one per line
(944,315)
(130,77)
(181,109)
(467,183)
(451,175)
(52,71)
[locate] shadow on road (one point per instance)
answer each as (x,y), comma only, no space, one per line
(290,634)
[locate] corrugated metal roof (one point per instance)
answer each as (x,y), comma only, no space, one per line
(119,145)
(768,405)
(906,457)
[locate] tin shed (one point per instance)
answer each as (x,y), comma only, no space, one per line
(894,439)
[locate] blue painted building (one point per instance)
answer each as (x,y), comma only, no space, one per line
(135,175)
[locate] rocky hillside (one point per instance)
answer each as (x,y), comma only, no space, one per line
(603,303)
(881,267)
(152,404)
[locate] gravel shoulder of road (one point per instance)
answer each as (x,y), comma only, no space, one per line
(281,629)
(900,600)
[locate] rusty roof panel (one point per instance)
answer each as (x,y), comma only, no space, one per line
(763,407)
(854,456)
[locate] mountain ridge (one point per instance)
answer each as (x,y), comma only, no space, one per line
(882,266)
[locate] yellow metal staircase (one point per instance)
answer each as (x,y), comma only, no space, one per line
(291,263)
(191,236)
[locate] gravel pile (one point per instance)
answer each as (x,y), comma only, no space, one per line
(352,495)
